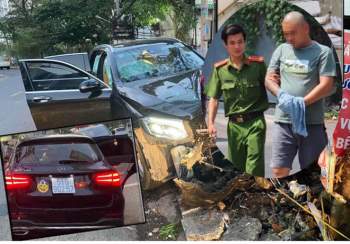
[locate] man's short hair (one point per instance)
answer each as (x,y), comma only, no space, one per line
(232,29)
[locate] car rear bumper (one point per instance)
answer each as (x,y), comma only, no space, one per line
(60,220)
(27,225)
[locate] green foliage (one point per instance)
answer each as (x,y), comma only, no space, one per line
(272,13)
(250,16)
(181,13)
(47,27)
(169,232)
(74,23)
(184,18)
(3,49)
(331,113)
(150,12)
(26,45)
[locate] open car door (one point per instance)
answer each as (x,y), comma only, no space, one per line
(60,94)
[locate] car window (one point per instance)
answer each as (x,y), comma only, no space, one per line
(54,76)
(54,153)
(155,60)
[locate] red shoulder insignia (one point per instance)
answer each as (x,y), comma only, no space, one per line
(220,63)
(259,59)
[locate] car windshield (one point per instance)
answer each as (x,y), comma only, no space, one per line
(155,60)
(56,153)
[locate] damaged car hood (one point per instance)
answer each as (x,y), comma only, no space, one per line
(175,95)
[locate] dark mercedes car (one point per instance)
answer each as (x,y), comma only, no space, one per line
(156,81)
(62,182)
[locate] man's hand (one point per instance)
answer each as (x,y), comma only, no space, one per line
(212,130)
(273,76)
(212,110)
(272,82)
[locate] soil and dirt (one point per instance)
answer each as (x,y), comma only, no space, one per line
(252,201)
(161,209)
(214,201)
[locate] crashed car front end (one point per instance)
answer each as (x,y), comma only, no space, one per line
(166,143)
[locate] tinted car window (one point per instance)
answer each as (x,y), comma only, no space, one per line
(155,60)
(53,76)
(56,153)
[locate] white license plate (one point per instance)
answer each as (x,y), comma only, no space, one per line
(63,185)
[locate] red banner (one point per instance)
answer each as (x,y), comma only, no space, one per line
(341,135)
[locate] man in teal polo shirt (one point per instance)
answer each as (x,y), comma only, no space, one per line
(302,68)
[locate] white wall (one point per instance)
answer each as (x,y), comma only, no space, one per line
(347,7)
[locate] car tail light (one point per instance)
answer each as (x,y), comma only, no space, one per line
(109,178)
(14,181)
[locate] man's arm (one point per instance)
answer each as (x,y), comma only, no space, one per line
(212,110)
(327,72)
(272,82)
(272,78)
(213,90)
(320,91)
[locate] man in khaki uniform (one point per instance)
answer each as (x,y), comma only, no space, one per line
(240,79)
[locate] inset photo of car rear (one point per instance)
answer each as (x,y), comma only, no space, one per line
(71,179)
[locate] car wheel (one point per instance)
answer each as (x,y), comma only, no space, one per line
(8,67)
(147,182)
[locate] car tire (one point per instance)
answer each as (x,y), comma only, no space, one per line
(8,67)
(147,182)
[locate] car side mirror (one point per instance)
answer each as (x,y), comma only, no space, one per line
(89,86)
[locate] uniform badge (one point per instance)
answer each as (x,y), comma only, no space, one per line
(43,186)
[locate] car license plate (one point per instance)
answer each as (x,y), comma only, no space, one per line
(63,185)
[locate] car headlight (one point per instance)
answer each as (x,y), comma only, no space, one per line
(172,129)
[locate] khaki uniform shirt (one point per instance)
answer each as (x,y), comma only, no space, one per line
(243,90)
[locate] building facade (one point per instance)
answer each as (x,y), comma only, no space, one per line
(4,7)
